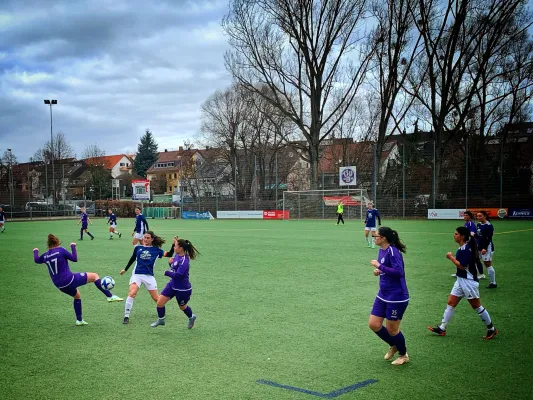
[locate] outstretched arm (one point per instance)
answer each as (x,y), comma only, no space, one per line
(74,256)
(38,259)
(130,262)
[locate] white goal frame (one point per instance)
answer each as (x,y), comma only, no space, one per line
(357,195)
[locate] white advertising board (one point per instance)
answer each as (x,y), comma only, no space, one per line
(450,213)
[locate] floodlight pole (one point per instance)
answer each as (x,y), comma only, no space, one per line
(51,103)
(11,194)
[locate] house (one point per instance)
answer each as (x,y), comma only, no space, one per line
(117,164)
(164,173)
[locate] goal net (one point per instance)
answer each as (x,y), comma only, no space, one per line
(322,204)
(162,212)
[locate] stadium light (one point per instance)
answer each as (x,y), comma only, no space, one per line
(51,103)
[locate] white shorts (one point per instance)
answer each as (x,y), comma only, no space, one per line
(466,288)
(488,255)
(113,226)
(139,236)
(147,280)
(368,228)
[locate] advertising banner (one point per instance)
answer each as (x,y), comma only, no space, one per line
(255,214)
(196,215)
(453,213)
(515,213)
(275,214)
(347,176)
(492,212)
(140,189)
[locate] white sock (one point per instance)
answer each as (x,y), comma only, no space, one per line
(116,233)
(373,241)
(367,240)
(448,314)
(492,274)
(129,305)
(484,315)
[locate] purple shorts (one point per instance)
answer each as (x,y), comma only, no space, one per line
(182,296)
(79,279)
(390,311)
(84,226)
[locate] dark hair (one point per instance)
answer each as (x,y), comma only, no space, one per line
(392,238)
(188,247)
(485,214)
(468,238)
(469,213)
(156,240)
(53,241)
(138,208)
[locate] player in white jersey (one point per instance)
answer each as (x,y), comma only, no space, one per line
(2,220)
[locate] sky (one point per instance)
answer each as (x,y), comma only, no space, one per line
(116,68)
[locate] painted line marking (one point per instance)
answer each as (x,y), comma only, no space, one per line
(330,395)
(517,231)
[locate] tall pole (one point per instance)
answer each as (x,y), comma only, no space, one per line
(403,177)
(434,172)
(52,147)
(323,205)
(502,140)
(466,177)
(235,182)
(375,183)
(276,204)
(11,194)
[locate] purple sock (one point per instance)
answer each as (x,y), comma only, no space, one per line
(385,336)
(89,233)
(98,284)
(161,312)
(77,309)
(188,312)
(399,342)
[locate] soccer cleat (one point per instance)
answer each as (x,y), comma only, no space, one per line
(401,360)
(437,330)
(481,276)
(80,239)
(490,334)
(160,321)
(92,237)
(110,238)
(392,351)
(114,298)
(120,235)
(80,323)
(368,244)
(492,286)
(191,321)
(126,320)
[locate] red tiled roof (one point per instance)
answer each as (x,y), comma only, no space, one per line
(108,161)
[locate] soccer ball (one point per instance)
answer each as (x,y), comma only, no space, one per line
(108,283)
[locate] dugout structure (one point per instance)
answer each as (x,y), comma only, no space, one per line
(322,204)
(162,212)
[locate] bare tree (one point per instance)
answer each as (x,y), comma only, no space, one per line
(95,160)
(302,51)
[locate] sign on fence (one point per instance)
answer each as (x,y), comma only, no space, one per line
(454,213)
(140,189)
(254,214)
(196,215)
(491,212)
(520,213)
(275,214)
(347,176)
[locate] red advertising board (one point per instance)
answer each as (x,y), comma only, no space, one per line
(492,212)
(275,214)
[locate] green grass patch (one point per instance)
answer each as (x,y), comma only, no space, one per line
(284,301)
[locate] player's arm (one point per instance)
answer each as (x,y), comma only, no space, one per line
(182,269)
(170,253)
(394,270)
(89,220)
(130,262)
(378,217)
(38,259)
(455,261)
(74,256)
(145,224)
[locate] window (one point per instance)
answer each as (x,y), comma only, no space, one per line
(175,176)
(164,164)
(170,188)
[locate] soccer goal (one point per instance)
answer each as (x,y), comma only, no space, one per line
(322,204)
(162,212)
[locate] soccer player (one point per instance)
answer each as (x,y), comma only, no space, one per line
(85,220)
(370,222)
(485,231)
(112,221)
(2,220)
(469,223)
(144,257)
(56,259)
(340,211)
(179,285)
(393,297)
(141,226)
(466,284)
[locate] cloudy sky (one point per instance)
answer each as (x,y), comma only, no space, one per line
(116,68)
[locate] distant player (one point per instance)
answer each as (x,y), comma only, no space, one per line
(485,231)
(179,285)
(85,221)
(466,284)
(2,220)
(370,223)
(141,226)
(393,297)
(340,211)
(144,257)
(112,221)
(470,224)
(56,258)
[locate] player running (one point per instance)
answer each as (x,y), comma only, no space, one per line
(85,221)
(112,221)
(141,226)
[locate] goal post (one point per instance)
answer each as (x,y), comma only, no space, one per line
(322,204)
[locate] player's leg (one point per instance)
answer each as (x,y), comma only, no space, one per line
(373,233)
(375,322)
(183,298)
(111,229)
(475,303)
(134,288)
(367,231)
(394,315)
(487,260)
(73,292)
(165,296)
(93,277)
(89,233)
(453,299)
(2,226)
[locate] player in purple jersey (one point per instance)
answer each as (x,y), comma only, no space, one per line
(466,284)
(85,221)
(393,297)
(144,257)
(485,232)
(2,220)
(56,258)
(179,285)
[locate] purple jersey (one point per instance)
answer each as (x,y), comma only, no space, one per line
(392,286)
(471,226)
(179,273)
(467,259)
(84,219)
(57,261)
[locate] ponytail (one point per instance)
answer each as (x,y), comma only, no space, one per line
(392,238)
(188,247)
